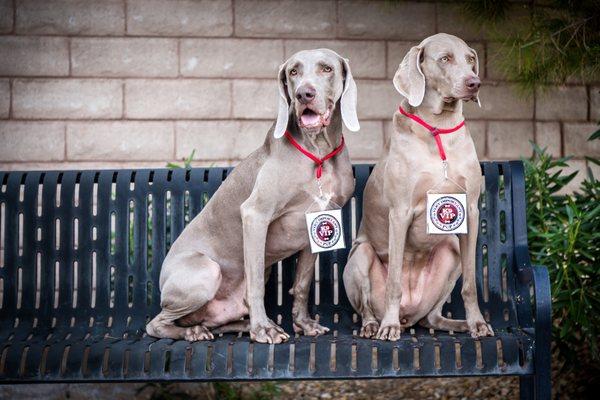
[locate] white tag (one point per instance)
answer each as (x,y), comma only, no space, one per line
(325,230)
(446,213)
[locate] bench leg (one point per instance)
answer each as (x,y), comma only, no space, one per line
(535,387)
(526,387)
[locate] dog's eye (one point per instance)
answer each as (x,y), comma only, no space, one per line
(445,59)
(293,72)
(327,68)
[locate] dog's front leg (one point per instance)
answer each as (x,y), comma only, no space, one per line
(256,215)
(399,220)
(468,243)
(304,276)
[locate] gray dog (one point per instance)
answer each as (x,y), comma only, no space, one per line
(214,274)
(398,275)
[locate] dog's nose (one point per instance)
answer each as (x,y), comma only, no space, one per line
(473,83)
(305,94)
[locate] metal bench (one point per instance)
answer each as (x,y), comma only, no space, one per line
(81,256)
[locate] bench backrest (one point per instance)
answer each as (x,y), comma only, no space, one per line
(84,248)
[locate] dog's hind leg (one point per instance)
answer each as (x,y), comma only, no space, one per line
(192,279)
(357,283)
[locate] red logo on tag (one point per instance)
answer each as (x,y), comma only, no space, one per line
(447,213)
(325,231)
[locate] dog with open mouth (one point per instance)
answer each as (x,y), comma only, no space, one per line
(214,274)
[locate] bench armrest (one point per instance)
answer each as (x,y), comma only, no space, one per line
(538,275)
(543,304)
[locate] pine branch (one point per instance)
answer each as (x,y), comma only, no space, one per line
(561,41)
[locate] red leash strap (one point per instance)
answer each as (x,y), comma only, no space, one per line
(434,131)
(316,160)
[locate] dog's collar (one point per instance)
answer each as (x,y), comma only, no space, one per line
(434,131)
(318,161)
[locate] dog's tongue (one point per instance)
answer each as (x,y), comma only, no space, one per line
(309,118)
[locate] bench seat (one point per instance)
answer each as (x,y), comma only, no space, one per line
(80,258)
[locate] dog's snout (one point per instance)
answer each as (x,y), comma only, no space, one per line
(473,83)
(305,94)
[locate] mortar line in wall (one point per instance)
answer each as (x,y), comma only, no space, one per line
(562,138)
(588,90)
(485,55)
(10,98)
(386,58)
(535,132)
(233,34)
(435,18)
(14,17)
(179,58)
(159,78)
(153,37)
(231,101)
(123,102)
(485,138)
(125,27)
(65,141)
(336,10)
(173,126)
(215,78)
(486,150)
(70,56)
(535,121)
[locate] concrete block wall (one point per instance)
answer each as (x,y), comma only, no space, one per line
(125,83)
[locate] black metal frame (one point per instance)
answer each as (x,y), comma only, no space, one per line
(82,252)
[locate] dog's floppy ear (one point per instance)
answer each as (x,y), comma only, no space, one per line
(409,79)
(476,70)
(349,99)
(283,114)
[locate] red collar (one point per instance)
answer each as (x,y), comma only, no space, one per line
(434,131)
(316,160)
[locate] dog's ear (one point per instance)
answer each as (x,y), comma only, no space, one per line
(283,114)
(349,99)
(409,79)
(476,70)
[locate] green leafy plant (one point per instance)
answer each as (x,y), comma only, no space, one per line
(564,235)
(228,391)
(187,162)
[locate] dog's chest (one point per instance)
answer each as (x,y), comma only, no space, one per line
(434,182)
(334,188)
(288,233)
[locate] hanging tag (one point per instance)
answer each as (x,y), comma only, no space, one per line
(325,230)
(446,213)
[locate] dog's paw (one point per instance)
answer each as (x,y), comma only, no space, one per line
(268,332)
(369,329)
(389,331)
(309,327)
(480,328)
(197,333)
